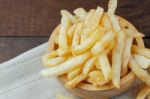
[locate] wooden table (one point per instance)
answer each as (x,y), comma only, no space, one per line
(25,24)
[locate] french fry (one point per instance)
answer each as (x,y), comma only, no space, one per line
(56,39)
(69,15)
(80,13)
(71,75)
(76,37)
(53,61)
(142,61)
(97,65)
(92,23)
(67,66)
(88,18)
(138,71)
(126,55)
(83,37)
(89,42)
(71,84)
(105,65)
(88,66)
(91,82)
(63,32)
(140,42)
(64,53)
(140,50)
(133,33)
(96,74)
(112,5)
(105,21)
(97,78)
(114,21)
(116,58)
(71,31)
(50,55)
(143,93)
(102,43)
(110,47)
(101,82)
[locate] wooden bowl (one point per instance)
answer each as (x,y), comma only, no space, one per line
(88,91)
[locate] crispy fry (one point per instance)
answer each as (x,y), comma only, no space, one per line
(71,31)
(64,53)
(142,61)
(139,72)
(110,47)
(56,39)
(92,21)
(53,62)
(105,21)
(50,55)
(76,37)
(97,78)
(103,42)
(80,13)
(89,42)
(140,50)
(63,32)
(83,37)
(111,10)
(126,55)
(88,18)
(105,65)
(88,66)
(71,84)
(140,42)
(116,59)
(91,82)
(143,93)
(97,65)
(69,15)
(112,5)
(71,75)
(114,21)
(132,33)
(67,66)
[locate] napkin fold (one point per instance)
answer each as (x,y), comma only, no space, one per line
(20,78)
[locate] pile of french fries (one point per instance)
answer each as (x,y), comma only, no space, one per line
(97,48)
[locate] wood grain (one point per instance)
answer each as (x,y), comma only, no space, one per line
(39,17)
(12,46)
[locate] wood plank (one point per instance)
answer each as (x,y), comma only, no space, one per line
(12,46)
(39,17)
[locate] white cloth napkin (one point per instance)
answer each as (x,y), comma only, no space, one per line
(20,78)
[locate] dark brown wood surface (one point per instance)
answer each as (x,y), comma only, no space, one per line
(39,17)
(10,47)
